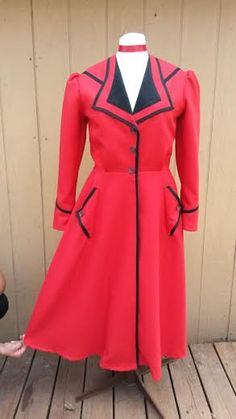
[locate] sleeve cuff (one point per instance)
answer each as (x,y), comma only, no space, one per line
(61,217)
(190,219)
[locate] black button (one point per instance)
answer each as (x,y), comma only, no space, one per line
(133,149)
(131,169)
(133,128)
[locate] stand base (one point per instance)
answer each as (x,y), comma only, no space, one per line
(131,378)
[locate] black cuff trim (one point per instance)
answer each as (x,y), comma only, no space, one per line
(63,210)
(189,210)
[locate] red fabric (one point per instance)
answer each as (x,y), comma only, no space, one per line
(131,48)
(87,302)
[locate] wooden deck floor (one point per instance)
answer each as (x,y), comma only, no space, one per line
(44,385)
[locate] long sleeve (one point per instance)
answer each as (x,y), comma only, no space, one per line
(187,152)
(72,143)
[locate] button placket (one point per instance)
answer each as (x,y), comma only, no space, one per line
(133,148)
(133,128)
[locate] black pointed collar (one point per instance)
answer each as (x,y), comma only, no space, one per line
(148,93)
(153,96)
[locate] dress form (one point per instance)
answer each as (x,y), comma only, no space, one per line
(132,65)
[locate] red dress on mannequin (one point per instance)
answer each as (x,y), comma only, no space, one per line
(116,284)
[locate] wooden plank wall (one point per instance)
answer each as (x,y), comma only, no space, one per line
(41,42)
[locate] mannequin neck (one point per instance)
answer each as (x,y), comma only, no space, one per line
(132,44)
(132,63)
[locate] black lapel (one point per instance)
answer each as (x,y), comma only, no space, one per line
(147,96)
(153,98)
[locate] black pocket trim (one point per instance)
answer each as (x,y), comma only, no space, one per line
(176,224)
(179,207)
(175,194)
(79,212)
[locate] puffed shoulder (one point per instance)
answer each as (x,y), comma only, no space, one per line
(192,82)
(72,87)
(73,75)
(191,89)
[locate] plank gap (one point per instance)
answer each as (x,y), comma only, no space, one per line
(201,382)
(53,387)
(24,385)
(173,389)
(2,364)
(84,384)
(223,367)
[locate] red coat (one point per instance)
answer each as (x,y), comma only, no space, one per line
(116,284)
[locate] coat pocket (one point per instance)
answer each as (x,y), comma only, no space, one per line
(85,213)
(173,208)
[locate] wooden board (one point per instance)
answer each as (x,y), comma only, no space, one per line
(188,390)
(162,393)
(69,384)
(39,387)
(100,405)
(12,381)
(220,394)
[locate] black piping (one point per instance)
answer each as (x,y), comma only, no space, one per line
(176,224)
(82,226)
(189,210)
(168,108)
(125,121)
(92,76)
(180,208)
(62,209)
(88,197)
(79,212)
(98,108)
(175,194)
(137,245)
(171,74)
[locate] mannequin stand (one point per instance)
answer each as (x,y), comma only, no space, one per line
(131,378)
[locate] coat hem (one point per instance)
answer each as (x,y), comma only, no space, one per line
(127,367)
(81,357)
(117,368)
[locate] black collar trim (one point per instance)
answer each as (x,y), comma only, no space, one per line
(171,74)
(98,108)
(168,108)
(92,76)
(126,121)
